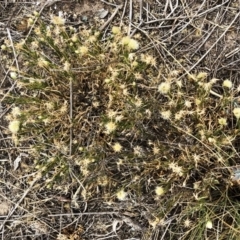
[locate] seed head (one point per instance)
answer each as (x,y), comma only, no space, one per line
(121,195)
(74,38)
(57,20)
(83,50)
(187,223)
(164,87)
(110,127)
(166,114)
(117,147)
(202,75)
(209,224)
(222,121)
(125,40)
(227,83)
(14,126)
(159,191)
(116,30)
(133,44)
(16,111)
(13,75)
(236,112)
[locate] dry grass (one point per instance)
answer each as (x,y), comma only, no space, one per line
(126,128)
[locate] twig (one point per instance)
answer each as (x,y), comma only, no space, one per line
(111,18)
(204,41)
(141,10)
(111,4)
(222,35)
(71,115)
(19,202)
(14,52)
(80,214)
(138,26)
(130,17)
(124,10)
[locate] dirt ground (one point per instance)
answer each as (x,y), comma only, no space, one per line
(196,36)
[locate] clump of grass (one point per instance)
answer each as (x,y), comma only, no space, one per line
(127,127)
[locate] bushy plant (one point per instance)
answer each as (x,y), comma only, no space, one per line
(127,127)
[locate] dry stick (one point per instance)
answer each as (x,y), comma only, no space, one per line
(111,4)
(10,89)
(48,3)
(212,9)
(111,18)
(14,52)
(19,202)
(165,231)
(204,41)
(138,26)
(29,214)
(149,13)
(74,198)
(233,52)
(130,17)
(166,6)
(172,9)
(188,23)
(141,10)
(80,214)
(71,115)
(147,7)
(165,19)
(6,110)
(222,35)
(124,10)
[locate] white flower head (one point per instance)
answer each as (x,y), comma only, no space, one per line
(164,87)
(188,104)
(227,83)
(14,126)
(42,62)
(236,112)
(66,66)
(74,38)
(121,195)
(148,59)
(187,223)
(116,30)
(110,127)
(125,40)
(57,20)
(159,191)
(166,114)
(3,47)
(13,75)
(16,111)
(201,75)
(133,44)
(83,50)
(131,56)
(222,121)
(209,224)
(117,147)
